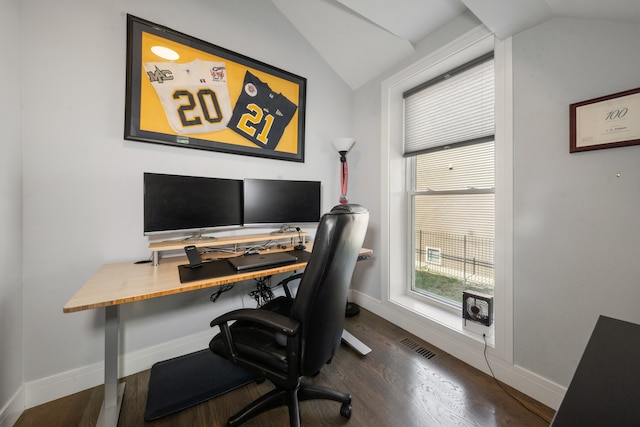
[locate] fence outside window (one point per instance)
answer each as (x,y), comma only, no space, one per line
(467,258)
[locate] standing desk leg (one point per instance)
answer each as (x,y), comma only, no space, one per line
(113,393)
(355,343)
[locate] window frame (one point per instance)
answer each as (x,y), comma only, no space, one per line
(413,194)
(412,312)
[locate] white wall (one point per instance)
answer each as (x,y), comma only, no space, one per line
(576,234)
(11,328)
(83,181)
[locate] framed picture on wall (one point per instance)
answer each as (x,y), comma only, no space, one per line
(605,122)
(185,92)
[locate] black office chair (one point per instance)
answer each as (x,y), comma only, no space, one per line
(284,348)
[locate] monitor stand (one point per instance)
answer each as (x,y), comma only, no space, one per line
(284,228)
(197,237)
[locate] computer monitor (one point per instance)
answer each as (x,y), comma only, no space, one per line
(190,203)
(280,202)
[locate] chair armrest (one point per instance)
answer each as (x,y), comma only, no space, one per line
(284,282)
(270,319)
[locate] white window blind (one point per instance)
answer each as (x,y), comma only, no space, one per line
(456,108)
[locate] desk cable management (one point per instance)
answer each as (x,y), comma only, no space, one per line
(264,291)
(262,294)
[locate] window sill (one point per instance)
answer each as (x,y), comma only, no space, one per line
(447,319)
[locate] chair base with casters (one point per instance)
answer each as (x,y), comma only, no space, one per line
(266,341)
(291,398)
(291,338)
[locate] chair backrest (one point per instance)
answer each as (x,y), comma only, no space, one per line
(321,298)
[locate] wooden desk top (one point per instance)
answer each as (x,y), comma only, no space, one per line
(124,282)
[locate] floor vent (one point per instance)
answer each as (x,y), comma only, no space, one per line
(427,354)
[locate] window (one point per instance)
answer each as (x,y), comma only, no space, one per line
(432,320)
(450,153)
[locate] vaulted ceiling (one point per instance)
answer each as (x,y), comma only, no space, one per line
(360,39)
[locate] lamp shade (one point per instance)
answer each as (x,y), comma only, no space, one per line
(343,145)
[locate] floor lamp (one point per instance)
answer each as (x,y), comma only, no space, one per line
(343,146)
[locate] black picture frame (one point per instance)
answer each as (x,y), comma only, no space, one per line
(210,98)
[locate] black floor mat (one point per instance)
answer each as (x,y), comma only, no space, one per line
(185,381)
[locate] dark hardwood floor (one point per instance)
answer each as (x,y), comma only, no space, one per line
(403,382)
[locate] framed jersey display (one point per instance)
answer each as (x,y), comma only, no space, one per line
(185,92)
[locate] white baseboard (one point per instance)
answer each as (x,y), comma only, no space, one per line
(65,383)
(10,412)
(529,383)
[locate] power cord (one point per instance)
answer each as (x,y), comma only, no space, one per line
(224,288)
(484,337)
(249,250)
(217,249)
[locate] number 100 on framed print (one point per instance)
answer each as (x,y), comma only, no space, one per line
(185,92)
